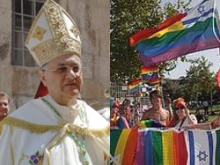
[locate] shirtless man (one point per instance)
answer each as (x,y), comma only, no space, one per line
(156,112)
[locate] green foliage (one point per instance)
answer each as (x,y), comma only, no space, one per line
(128,17)
(199,82)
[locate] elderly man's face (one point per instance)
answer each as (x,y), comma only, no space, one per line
(4,107)
(63,77)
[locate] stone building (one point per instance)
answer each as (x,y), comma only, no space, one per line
(18,71)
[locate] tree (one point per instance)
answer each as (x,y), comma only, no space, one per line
(199,81)
(126,18)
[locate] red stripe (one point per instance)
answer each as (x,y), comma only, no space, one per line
(149,69)
(135,82)
(130,148)
(148,32)
(180,152)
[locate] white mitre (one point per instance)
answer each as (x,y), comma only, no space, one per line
(53,33)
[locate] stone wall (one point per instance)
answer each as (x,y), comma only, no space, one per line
(92,18)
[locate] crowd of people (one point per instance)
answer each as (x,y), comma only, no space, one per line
(169,114)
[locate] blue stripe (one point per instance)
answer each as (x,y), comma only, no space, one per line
(186,39)
(191,148)
(189,21)
(147,77)
(148,154)
(210,141)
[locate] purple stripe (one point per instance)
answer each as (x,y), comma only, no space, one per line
(139,156)
(180,51)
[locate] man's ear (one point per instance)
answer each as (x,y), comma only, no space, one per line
(41,74)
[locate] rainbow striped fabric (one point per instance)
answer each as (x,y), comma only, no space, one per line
(195,30)
(149,123)
(134,86)
(151,146)
(150,74)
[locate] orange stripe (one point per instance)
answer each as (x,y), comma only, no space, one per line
(130,148)
(119,151)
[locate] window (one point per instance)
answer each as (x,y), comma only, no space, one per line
(24,12)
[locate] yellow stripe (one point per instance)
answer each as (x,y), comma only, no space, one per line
(176,26)
(121,145)
(167,140)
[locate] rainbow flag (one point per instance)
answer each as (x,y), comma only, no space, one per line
(192,31)
(149,123)
(150,74)
(152,146)
(160,145)
(123,146)
(134,86)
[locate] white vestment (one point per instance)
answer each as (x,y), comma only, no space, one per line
(35,134)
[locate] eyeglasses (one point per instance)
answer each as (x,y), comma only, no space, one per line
(177,108)
(65,69)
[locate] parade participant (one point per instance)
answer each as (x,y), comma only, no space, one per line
(57,129)
(4,105)
(215,123)
(181,115)
(156,112)
(117,121)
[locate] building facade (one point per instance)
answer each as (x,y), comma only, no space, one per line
(18,71)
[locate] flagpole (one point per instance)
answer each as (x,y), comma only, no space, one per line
(161,88)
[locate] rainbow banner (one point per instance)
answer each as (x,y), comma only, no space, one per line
(123,146)
(149,123)
(151,146)
(134,86)
(150,74)
(195,30)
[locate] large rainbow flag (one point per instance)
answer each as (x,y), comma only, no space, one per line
(192,31)
(152,146)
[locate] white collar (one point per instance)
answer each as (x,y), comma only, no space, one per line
(68,113)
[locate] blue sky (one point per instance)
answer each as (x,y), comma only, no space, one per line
(212,55)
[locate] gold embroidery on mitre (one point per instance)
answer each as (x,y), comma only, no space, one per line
(39,33)
(55,19)
(55,47)
(75,30)
(62,42)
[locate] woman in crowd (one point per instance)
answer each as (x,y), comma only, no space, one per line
(181,116)
(117,121)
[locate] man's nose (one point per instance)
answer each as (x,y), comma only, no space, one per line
(70,74)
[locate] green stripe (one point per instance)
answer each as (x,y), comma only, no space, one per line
(217,152)
(176,35)
(114,137)
(157,148)
(148,123)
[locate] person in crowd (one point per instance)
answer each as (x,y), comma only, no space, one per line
(59,128)
(117,121)
(156,112)
(181,115)
(168,105)
(215,123)
(4,105)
